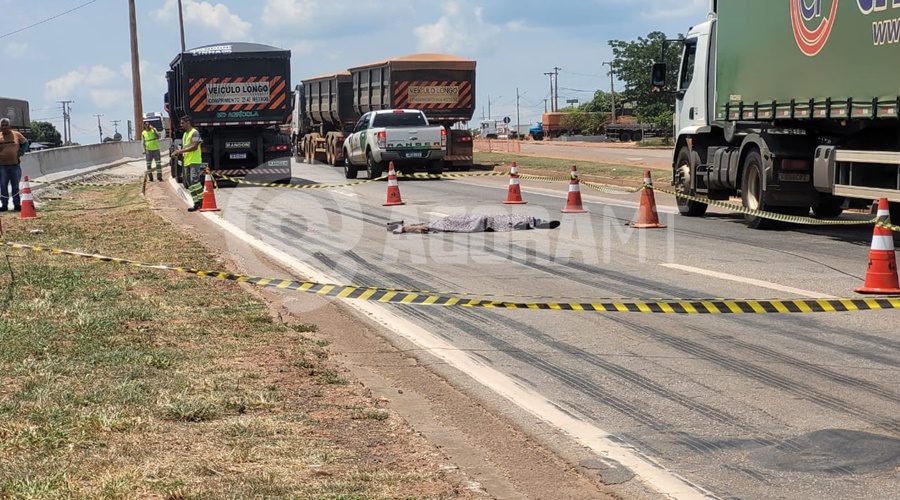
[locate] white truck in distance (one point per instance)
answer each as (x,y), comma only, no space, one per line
(401,136)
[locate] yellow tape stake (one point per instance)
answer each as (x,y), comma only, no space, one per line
(662,306)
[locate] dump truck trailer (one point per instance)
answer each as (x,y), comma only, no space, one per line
(239,96)
(322,118)
(441,86)
(17,111)
(793,105)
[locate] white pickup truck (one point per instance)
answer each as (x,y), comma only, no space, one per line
(402,136)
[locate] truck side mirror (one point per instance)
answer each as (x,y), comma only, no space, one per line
(658,77)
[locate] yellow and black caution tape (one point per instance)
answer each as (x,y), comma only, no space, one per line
(295,186)
(796,219)
(382,295)
(611,189)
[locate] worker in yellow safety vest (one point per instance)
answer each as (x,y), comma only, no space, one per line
(151,150)
(192,159)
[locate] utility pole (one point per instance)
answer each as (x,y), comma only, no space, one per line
(135,65)
(612,92)
(66,122)
(99,127)
(556,88)
(550,74)
(489,106)
(518,123)
(115,127)
(181,25)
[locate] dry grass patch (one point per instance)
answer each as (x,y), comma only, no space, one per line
(554,165)
(119,382)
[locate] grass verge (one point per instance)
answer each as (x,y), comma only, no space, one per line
(556,166)
(117,382)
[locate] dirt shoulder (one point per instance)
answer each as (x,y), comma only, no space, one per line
(440,423)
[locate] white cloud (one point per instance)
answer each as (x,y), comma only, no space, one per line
(217,17)
(461,29)
(16,50)
(325,15)
(64,86)
(690,8)
(110,99)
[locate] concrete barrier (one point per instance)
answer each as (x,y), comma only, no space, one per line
(62,163)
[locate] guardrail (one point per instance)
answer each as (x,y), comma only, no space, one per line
(56,161)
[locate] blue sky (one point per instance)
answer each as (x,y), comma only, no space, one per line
(84,56)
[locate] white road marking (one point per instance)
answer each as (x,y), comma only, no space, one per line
(635,158)
(599,441)
(750,281)
(342,192)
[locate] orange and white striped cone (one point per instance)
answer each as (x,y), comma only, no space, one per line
(393,189)
(28,211)
(573,200)
(647,216)
(514,194)
(881,277)
(209,195)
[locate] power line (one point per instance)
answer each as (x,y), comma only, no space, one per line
(46,20)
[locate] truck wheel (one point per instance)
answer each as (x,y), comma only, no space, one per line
(374,168)
(637,137)
(624,137)
(538,137)
(436,167)
(685,164)
(752,192)
(829,208)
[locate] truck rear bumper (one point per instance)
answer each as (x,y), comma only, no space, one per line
(401,157)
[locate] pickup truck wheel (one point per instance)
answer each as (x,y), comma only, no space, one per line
(350,170)
(685,164)
(752,192)
(374,168)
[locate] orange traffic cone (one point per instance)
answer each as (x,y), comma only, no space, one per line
(647,216)
(882,274)
(393,192)
(514,195)
(209,195)
(573,201)
(27,200)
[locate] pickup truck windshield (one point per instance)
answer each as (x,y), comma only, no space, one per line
(399,120)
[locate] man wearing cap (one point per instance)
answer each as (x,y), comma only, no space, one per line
(12,146)
(151,150)
(192,160)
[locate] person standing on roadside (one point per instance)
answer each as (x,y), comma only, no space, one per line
(192,160)
(12,147)
(151,150)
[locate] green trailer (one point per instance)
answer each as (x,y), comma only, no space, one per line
(790,104)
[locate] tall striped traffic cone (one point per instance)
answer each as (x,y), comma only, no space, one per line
(393,190)
(573,200)
(27,200)
(514,194)
(647,215)
(881,276)
(209,195)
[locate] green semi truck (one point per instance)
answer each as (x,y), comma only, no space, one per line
(791,104)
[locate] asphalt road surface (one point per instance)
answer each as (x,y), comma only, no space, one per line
(697,406)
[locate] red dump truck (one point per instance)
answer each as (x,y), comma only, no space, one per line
(238,95)
(322,116)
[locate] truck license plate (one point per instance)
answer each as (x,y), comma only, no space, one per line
(238,156)
(793,177)
(413,154)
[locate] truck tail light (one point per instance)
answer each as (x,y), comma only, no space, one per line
(794,164)
(277,148)
(443,138)
(464,138)
(382,140)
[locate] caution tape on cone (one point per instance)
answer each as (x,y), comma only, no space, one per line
(410,297)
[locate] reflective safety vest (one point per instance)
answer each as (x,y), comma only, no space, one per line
(151,139)
(191,157)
